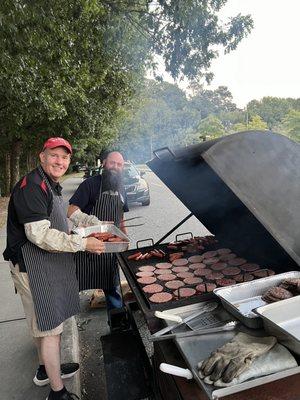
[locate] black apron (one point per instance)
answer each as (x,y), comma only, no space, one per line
(52,276)
(100,271)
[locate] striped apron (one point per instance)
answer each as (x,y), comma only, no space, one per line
(52,276)
(101,271)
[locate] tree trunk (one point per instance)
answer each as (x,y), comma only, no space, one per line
(7,175)
(31,161)
(16,150)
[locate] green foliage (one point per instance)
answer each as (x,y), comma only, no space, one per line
(209,128)
(256,123)
(291,124)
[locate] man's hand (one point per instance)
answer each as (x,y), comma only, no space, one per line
(94,245)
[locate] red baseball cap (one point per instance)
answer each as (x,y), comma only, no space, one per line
(53,142)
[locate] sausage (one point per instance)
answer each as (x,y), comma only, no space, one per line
(133,256)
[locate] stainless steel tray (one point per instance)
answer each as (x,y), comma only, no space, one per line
(242,298)
(195,349)
(110,247)
(282,319)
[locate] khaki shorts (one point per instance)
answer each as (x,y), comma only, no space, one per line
(21,283)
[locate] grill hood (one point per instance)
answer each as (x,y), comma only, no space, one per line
(245,188)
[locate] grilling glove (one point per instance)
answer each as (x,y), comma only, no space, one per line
(234,357)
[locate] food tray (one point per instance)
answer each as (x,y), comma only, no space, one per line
(282,319)
(196,348)
(242,298)
(110,247)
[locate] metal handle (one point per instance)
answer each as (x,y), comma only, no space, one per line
(167,316)
(159,152)
(174,370)
(144,240)
(181,234)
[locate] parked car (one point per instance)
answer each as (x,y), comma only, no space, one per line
(136,187)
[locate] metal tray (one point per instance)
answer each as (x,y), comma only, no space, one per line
(196,348)
(110,247)
(282,319)
(242,298)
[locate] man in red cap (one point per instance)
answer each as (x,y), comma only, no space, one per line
(40,250)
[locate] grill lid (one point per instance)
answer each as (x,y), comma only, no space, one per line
(245,188)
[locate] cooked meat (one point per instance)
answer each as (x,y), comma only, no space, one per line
(155,288)
(180,262)
(163,265)
(276,294)
(166,277)
(227,257)
(249,267)
(223,251)
(162,271)
(214,275)
(244,278)
(205,287)
(209,254)
(218,266)
(193,280)
(263,273)
(211,261)
(196,266)
(184,275)
(174,284)
(195,259)
(162,297)
(147,268)
(180,269)
(184,292)
(144,273)
(146,280)
(202,272)
(225,282)
(292,284)
(231,271)
(237,261)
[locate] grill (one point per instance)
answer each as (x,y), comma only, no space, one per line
(245,189)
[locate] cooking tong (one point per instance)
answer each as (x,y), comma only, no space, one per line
(130,219)
(196,329)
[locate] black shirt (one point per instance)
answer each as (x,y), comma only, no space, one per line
(30,201)
(88,193)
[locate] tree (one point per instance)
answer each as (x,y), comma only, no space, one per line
(256,123)
(291,124)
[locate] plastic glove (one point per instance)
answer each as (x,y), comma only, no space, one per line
(230,360)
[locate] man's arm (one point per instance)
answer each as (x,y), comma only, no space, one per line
(40,233)
(79,218)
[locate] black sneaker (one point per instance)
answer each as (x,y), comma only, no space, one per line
(67,371)
(64,396)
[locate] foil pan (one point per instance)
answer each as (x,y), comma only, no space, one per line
(282,319)
(110,247)
(241,299)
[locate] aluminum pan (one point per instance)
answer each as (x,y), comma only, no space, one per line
(195,348)
(242,298)
(109,247)
(282,319)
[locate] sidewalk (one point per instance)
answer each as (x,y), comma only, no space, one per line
(17,351)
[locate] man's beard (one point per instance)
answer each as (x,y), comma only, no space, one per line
(111,180)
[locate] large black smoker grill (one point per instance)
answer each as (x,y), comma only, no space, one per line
(245,189)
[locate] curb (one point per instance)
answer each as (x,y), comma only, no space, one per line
(70,353)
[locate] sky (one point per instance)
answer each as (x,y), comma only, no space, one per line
(267,62)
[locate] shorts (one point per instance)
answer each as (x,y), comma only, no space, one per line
(21,283)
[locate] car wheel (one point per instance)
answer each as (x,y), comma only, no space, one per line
(146,203)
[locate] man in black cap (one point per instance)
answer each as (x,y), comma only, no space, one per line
(39,248)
